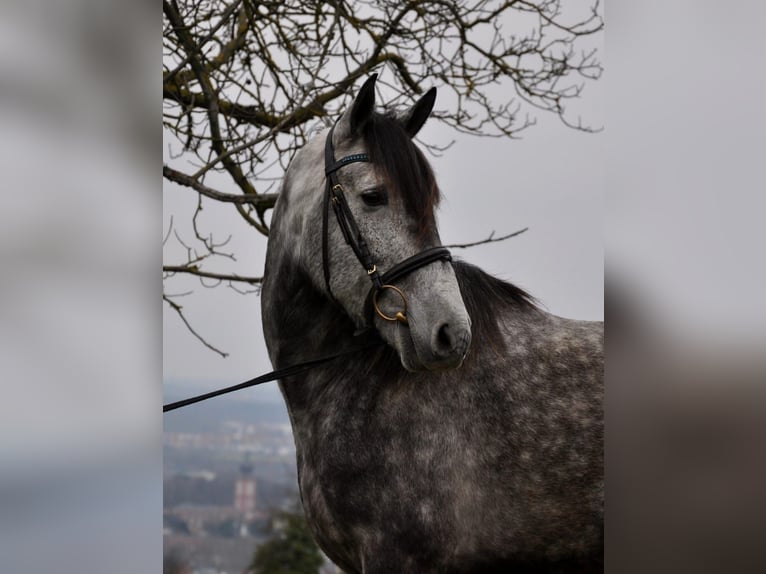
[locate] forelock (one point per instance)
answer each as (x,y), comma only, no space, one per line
(404,167)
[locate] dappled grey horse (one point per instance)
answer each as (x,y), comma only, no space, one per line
(463,429)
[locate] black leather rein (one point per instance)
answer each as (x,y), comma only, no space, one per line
(272,376)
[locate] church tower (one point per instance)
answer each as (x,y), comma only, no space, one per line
(244,495)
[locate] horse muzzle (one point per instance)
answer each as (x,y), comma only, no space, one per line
(441,346)
(450,341)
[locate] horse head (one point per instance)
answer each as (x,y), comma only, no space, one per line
(389,196)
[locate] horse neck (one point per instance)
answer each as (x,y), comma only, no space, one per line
(300,324)
(300,321)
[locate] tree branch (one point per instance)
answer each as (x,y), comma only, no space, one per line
(490,239)
(245,84)
(194,270)
(263,200)
(178,309)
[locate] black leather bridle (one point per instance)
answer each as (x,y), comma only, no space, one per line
(334,195)
(380,282)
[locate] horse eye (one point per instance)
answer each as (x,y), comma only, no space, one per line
(375,197)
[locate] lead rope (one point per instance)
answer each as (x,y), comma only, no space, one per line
(272,376)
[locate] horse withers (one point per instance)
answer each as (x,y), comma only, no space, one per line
(470,439)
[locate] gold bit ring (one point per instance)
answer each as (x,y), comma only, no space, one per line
(400,316)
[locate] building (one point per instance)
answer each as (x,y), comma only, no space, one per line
(244,496)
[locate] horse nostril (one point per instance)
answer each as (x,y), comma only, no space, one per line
(444,339)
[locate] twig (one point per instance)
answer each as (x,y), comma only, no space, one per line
(265,200)
(194,270)
(490,239)
(167,235)
(178,309)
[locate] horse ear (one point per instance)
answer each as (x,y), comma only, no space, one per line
(414,118)
(354,119)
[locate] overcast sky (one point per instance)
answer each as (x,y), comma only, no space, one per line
(550,180)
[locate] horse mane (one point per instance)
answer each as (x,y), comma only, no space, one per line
(404,167)
(484,296)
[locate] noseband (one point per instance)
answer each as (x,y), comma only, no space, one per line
(353,236)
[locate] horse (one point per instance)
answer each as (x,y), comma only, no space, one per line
(459,427)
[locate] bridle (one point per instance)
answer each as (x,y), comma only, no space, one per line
(334,195)
(355,239)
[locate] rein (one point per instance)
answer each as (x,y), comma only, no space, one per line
(268,377)
(352,234)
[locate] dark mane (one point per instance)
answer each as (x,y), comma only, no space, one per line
(484,295)
(405,168)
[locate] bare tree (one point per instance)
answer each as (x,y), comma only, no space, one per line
(245,82)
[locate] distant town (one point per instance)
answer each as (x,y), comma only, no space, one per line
(229,476)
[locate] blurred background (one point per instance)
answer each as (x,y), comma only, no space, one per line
(80,335)
(81,316)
